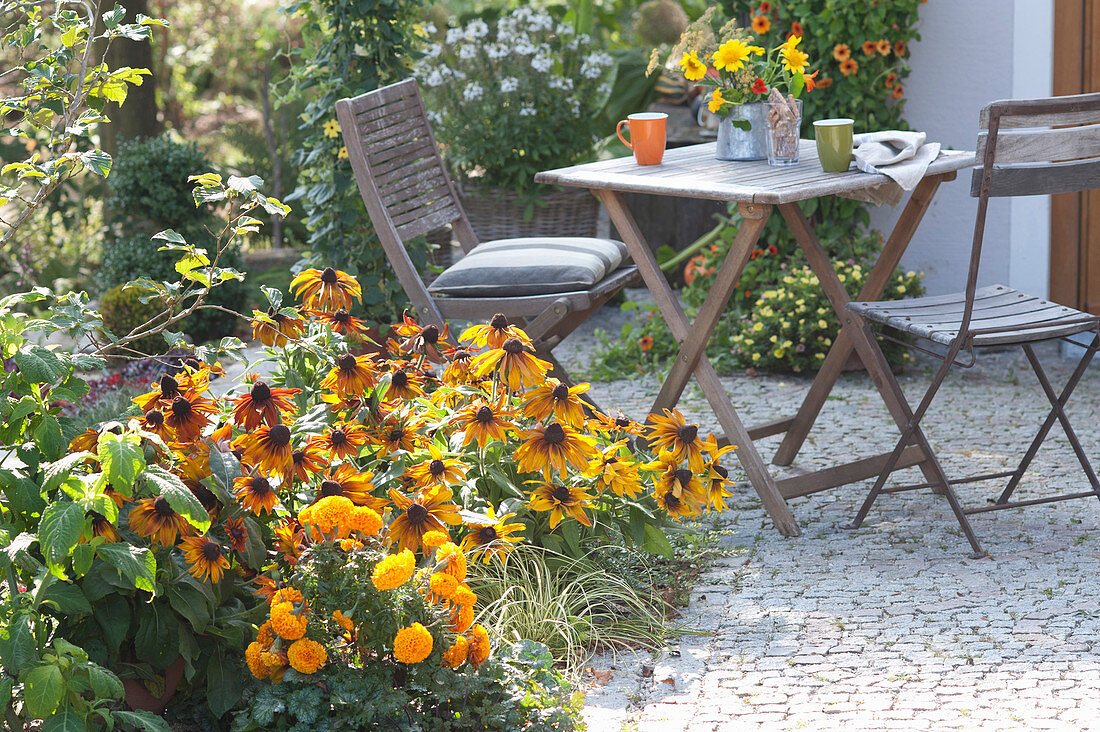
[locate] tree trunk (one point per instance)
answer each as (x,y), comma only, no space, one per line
(138,116)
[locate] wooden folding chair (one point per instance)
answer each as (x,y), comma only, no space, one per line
(407,193)
(1026,147)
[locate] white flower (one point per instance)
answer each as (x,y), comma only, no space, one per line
(603,89)
(454,35)
(433,51)
(496,51)
(540,22)
(542,63)
(435,118)
(472,92)
(429,29)
(435,78)
(558,82)
(523,46)
(509,84)
(477,29)
(527,112)
(468,51)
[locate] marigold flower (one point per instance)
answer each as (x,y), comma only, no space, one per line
(365,521)
(285,623)
(306,656)
(394,570)
(462,617)
(286,594)
(412,644)
(455,656)
(156,519)
(434,539)
(343,621)
(275,663)
(326,290)
(849,66)
(328,514)
(255,664)
(761,23)
(559,500)
(479,645)
(265,637)
(443,585)
(842,52)
(450,559)
(206,557)
(464,596)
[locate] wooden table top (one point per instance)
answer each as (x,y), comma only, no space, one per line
(693,172)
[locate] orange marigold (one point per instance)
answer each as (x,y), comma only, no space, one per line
(343,621)
(450,559)
(394,570)
(252,657)
(443,585)
(455,656)
(364,520)
(462,618)
(285,623)
(412,644)
(479,645)
(306,656)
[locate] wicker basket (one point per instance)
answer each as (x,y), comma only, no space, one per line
(500,214)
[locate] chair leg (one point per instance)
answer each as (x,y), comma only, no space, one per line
(914,433)
(1057,411)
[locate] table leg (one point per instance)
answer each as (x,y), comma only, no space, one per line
(919,202)
(860,338)
(751,461)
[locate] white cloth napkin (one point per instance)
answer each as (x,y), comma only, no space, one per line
(902,156)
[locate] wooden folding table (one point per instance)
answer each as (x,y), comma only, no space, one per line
(758,188)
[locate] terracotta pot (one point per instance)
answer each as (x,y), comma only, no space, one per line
(139,698)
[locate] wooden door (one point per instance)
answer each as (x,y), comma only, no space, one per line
(1075,217)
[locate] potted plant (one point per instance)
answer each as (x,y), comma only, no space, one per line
(508,100)
(744,78)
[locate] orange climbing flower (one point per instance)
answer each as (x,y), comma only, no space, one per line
(883,46)
(868,48)
(849,66)
(899,48)
(898,92)
(890,80)
(761,24)
(842,52)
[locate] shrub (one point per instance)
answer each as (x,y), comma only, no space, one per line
(122,311)
(150,188)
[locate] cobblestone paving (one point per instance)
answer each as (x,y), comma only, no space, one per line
(892,626)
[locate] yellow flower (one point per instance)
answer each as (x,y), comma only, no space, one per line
(285,594)
(732,54)
(412,644)
(364,520)
(443,584)
(394,570)
(285,623)
(794,60)
(332,128)
(694,69)
(462,618)
(464,596)
(306,656)
(343,154)
(451,560)
(343,621)
(432,539)
(716,101)
(479,645)
(255,664)
(331,512)
(455,656)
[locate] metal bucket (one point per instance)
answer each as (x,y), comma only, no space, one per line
(738,144)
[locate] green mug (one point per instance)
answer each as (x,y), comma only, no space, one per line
(834,144)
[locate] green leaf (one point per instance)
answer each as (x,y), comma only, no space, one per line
(273,295)
(61,528)
(136,564)
(113,617)
(191,262)
(179,497)
(6,685)
(66,719)
(53,472)
(225,468)
(113,17)
(223,683)
(191,603)
(656,542)
(169,235)
(49,437)
(39,365)
(156,639)
(105,685)
(244,185)
(121,457)
(146,721)
(98,162)
(255,552)
(43,688)
(17,644)
(66,598)
(82,559)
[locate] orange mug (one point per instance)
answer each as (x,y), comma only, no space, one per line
(647,136)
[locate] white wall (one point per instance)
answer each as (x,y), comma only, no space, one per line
(972,52)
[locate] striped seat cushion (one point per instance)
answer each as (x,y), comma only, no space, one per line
(530,266)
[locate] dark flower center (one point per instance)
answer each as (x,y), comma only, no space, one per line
(499,322)
(416,514)
(461,355)
(95,516)
(331,488)
(513,346)
(436,468)
(341,316)
(181,407)
(430,333)
(154,417)
(299,456)
(261,392)
(211,551)
(169,387)
(260,486)
(672,501)
(396,434)
(561,494)
(338,438)
(399,378)
(346,362)
(485,415)
(561,392)
(279,435)
(687,433)
(721,471)
(162,508)
(683,475)
(554,434)
(487,534)
(328,276)
(622,422)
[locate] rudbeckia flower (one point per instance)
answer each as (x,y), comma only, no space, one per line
(344,480)
(255,493)
(396,434)
(101,527)
(343,440)
(268,448)
(417,514)
(237,534)
(614,473)
(86,441)
(154,518)
(459,370)
(481,422)
(307,461)
(279,330)
(404,385)
(560,500)
(288,540)
(261,404)
(166,389)
(554,446)
(153,421)
(493,538)
(555,398)
(677,490)
(206,557)
(716,477)
(518,365)
(673,434)
(493,334)
(351,377)
(426,341)
(188,415)
(437,470)
(342,321)
(326,290)
(620,424)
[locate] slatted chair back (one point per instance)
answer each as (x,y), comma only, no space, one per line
(401,176)
(1030,147)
